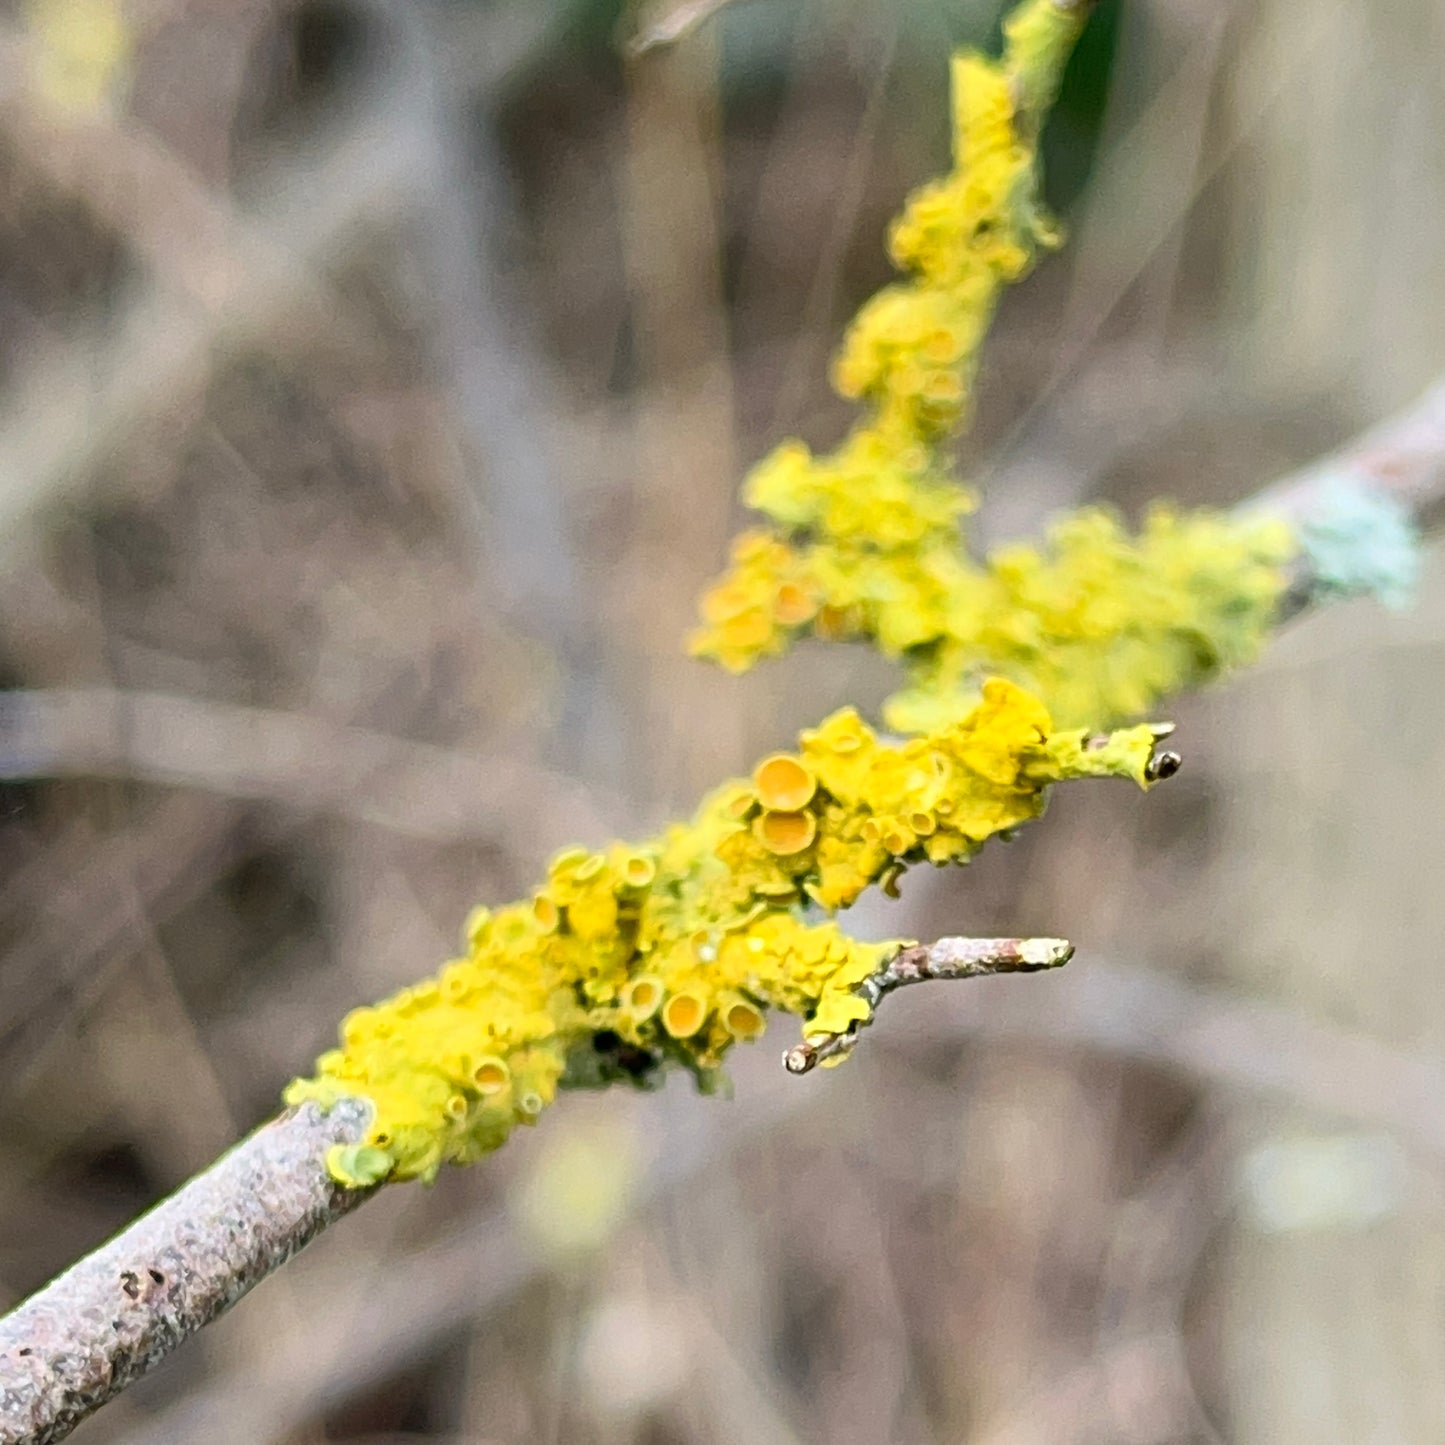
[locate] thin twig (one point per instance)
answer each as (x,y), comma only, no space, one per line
(920,962)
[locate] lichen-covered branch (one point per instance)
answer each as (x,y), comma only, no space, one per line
(632,958)
(106,1321)
(668,953)
(869,542)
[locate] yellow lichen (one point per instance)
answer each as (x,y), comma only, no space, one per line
(684,1013)
(867,542)
(741,1017)
(783,783)
(491,1076)
(785,834)
(631,959)
(700,943)
(641,998)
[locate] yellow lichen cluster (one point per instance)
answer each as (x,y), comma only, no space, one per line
(1103,624)
(882,507)
(632,958)
(1100,623)
(868,542)
(911,351)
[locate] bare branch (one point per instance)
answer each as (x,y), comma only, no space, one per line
(106,1321)
(1357,511)
(1403,457)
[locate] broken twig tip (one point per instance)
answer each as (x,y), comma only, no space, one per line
(1163,765)
(1045,952)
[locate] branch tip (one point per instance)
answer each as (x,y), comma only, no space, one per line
(919,962)
(1163,765)
(1045,952)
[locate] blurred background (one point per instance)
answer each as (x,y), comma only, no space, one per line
(375,380)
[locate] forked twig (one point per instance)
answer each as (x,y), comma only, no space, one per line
(920,962)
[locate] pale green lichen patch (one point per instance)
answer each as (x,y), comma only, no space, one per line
(1359,541)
